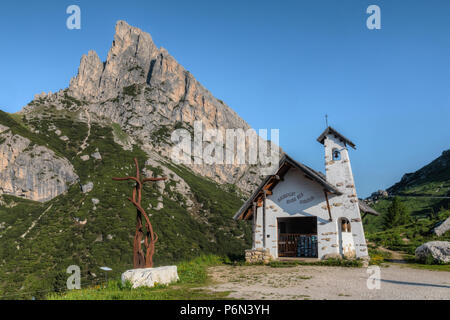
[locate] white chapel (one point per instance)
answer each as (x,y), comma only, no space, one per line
(299,212)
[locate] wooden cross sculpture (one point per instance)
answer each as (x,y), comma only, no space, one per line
(139,260)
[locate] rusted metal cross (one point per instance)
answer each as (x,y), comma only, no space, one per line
(139,259)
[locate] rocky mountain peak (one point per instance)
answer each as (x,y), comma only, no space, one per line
(145,91)
(85,85)
(128,62)
(134,60)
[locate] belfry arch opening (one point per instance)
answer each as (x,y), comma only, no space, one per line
(336,154)
(345,225)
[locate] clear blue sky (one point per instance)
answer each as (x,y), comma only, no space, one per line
(278,64)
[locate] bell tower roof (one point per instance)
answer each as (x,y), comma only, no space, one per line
(331,131)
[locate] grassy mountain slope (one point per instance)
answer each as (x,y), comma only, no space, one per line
(424,194)
(433,179)
(75,231)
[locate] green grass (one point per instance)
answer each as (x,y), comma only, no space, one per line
(119,133)
(408,237)
(411,263)
(192,274)
(18,118)
(378,257)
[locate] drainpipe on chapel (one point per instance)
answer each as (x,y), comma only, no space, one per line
(328,204)
(254,225)
(264,218)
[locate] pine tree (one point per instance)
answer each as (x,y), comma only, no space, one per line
(396,215)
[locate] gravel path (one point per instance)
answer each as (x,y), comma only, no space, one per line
(318,282)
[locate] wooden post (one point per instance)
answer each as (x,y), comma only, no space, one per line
(328,204)
(254,225)
(264,219)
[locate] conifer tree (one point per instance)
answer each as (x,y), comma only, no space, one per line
(397,214)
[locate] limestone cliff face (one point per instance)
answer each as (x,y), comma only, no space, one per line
(31,171)
(146,91)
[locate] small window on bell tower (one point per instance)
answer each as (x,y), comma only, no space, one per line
(336,154)
(345,225)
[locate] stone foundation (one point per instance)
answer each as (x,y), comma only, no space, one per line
(258,256)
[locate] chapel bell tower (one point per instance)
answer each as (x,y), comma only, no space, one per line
(337,161)
(345,210)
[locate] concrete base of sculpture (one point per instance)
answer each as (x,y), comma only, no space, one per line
(149,277)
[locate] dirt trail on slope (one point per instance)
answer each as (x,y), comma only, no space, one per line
(396,256)
(33,224)
(84,144)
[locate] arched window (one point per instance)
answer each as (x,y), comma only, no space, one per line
(336,154)
(345,225)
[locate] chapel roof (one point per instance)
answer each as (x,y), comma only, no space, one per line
(271,181)
(330,130)
(286,163)
(366,209)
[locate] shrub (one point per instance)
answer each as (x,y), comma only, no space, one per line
(132,90)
